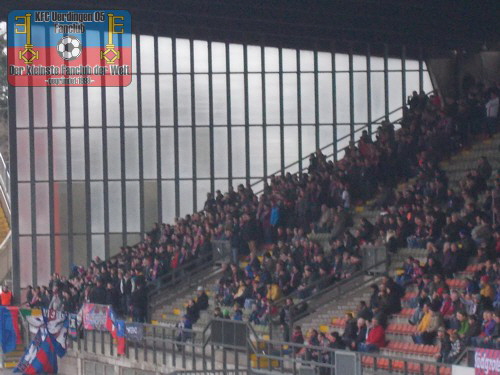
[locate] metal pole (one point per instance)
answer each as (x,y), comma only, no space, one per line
(14,192)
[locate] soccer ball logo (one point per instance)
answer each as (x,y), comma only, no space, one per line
(69,48)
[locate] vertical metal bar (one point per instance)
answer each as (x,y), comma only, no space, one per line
(282,115)
(136,350)
(403,75)
(85,340)
(420,68)
(31,124)
(69,177)
(93,342)
(351,94)
(14,194)
(211,117)
(101,334)
(111,345)
(193,124)
(159,195)
(386,81)
(247,115)
(174,354)
(105,172)
(123,165)
(86,152)
(50,148)
(369,87)
(154,346)
(334,102)
(299,111)
(264,114)
(164,345)
(316,97)
(138,78)
(184,354)
(127,349)
(228,104)
(176,126)
(193,355)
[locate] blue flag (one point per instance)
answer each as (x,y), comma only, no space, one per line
(8,335)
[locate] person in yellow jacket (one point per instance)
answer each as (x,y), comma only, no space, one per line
(486,290)
(428,326)
(273,292)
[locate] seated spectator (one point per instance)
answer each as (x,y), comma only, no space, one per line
(428,326)
(487,330)
(363,311)
(444,344)
(486,290)
(460,323)
(297,338)
(238,313)
(336,341)
(311,354)
(375,338)
(218,313)
(360,337)
(473,331)
(456,348)
(422,299)
(201,299)
(184,331)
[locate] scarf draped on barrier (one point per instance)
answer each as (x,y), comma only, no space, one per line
(50,329)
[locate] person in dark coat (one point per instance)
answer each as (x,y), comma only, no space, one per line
(139,303)
(349,334)
(112,296)
(98,294)
(360,334)
(201,299)
(192,311)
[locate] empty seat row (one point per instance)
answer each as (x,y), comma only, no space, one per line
(411,348)
(398,365)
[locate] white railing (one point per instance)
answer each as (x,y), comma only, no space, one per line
(5,184)
(6,245)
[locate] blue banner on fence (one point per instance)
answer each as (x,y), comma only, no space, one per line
(134,331)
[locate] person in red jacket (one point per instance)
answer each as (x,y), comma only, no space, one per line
(5,296)
(375,338)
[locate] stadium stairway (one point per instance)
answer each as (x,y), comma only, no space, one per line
(10,360)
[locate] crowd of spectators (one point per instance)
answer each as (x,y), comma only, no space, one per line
(291,207)
(456,226)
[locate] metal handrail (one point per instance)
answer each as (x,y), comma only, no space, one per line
(336,285)
(196,268)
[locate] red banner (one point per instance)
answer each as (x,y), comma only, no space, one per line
(487,361)
(95,317)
